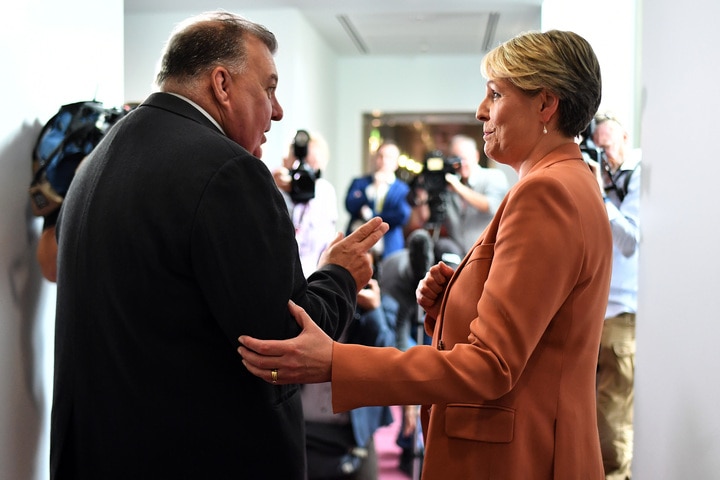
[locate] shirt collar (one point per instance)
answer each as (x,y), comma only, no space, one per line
(200,109)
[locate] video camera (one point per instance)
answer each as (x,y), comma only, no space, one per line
(435,166)
(303,177)
(432,180)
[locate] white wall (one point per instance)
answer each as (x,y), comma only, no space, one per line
(611,29)
(42,70)
(678,332)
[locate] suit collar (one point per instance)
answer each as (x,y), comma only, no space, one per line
(566,151)
(180,106)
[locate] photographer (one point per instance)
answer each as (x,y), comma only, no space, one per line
(619,179)
(311,200)
(462,210)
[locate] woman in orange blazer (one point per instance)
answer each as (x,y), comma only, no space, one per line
(508,385)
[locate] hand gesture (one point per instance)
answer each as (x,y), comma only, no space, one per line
(351,252)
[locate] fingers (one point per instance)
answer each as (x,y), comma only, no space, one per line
(351,252)
(338,236)
(275,348)
(298,313)
(437,277)
(430,288)
(369,233)
(284,357)
(445,270)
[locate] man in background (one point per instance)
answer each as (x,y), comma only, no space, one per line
(314,217)
(619,178)
(470,201)
(381,194)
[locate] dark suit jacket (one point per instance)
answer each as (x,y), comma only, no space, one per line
(395,210)
(512,386)
(173,242)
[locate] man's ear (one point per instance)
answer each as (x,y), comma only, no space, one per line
(221,81)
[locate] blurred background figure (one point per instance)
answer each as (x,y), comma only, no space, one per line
(476,193)
(456,202)
(381,194)
(338,446)
(619,178)
(311,199)
(341,446)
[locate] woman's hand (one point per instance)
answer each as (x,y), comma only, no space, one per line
(306,358)
(430,290)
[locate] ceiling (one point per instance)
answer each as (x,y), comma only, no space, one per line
(391,27)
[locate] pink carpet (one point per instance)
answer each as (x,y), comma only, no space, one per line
(387,450)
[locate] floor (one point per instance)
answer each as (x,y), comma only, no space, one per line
(388,452)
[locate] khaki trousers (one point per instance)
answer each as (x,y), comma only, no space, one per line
(616,394)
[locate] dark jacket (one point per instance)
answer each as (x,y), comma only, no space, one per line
(173,241)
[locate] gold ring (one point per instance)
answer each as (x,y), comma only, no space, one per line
(274,375)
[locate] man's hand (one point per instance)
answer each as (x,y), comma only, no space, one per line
(351,252)
(369,298)
(306,358)
(453,181)
(282,178)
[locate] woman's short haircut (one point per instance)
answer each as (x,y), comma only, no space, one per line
(208,40)
(559,61)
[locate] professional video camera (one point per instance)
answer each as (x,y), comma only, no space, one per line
(303,177)
(432,180)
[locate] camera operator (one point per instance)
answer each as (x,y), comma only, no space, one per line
(311,200)
(471,197)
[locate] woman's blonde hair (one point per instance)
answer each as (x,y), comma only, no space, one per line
(559,61)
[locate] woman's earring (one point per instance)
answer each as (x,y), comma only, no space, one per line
(545,129)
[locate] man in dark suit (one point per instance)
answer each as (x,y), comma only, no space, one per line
(173,241)
(383,194)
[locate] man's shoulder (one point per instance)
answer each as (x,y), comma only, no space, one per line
(487,175)
(324,187)
(633,160)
